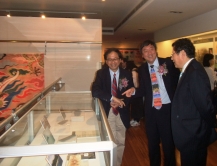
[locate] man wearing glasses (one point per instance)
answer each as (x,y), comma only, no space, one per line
(193,117)
(109,84)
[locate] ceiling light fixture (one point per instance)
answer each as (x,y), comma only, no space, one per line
(48,12)
(43,16)
(175,12)
(8,15)
(88,57)
(141,29)
(83,18)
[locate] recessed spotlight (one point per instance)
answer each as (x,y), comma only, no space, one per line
(9,14)
(176,12)
(141,29)
(43,16)
(83,18)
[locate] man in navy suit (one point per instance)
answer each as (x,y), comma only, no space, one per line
(193,116)
(102,89)
(157,120)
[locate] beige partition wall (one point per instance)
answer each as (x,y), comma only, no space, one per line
(72,47)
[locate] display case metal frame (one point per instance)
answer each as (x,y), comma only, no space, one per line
(106,145)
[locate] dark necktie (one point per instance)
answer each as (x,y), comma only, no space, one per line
(155,88)
(114,92)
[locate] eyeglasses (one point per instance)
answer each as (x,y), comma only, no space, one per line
(113,60)
(172,54)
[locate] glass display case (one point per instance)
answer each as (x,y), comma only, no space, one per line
(62,128)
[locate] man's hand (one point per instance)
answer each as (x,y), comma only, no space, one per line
(113,104)
(129,92)
(117,102)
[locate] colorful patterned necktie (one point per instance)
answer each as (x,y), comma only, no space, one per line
(155,88)
(114,93)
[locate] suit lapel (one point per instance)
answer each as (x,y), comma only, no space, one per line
(121,76)
(184,74)
(148,78)
(181,78)
(108,81)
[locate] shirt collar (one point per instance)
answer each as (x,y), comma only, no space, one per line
(112,73)
(156,63)
(186,64)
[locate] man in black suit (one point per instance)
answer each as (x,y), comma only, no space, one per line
(157,120)
(124,64)
(102,88)
(192,115)
(137,104)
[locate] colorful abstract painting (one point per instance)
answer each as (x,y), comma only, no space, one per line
(21,78)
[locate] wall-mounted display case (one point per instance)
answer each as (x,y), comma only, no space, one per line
(68,128)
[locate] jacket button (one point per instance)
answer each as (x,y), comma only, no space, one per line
(177,116)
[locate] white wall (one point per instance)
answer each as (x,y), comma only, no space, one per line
(164,48)
(202,23)
(76,62)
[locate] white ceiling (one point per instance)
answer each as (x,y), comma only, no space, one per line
(130,18)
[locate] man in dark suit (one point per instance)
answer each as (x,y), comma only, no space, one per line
(102,88)
(124,64)
(137,103)
(157,118)
(192,115)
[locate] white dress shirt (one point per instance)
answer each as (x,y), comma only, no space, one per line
(211,74)
(112,76)
(163,92)
(116,76)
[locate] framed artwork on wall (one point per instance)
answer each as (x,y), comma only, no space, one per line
(128,53)
(210,50)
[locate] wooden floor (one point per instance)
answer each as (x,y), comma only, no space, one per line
(136,149)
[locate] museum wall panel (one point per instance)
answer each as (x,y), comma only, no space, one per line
(71,47)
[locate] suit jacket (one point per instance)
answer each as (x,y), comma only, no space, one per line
(192,117)
(101,89)
(145,89)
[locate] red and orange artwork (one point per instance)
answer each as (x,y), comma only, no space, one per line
(21,78)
